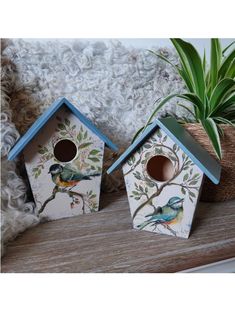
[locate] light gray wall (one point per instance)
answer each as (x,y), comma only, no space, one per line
(200,44)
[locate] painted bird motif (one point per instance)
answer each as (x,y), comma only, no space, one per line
(169,214)
(64,176)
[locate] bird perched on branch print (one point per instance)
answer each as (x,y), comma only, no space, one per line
(169,214)
(64,176)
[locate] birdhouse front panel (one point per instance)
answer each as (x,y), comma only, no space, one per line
(64,165)
(163,186)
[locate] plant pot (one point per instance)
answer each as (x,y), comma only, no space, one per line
(225,190)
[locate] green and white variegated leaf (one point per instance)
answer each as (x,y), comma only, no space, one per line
(212,132)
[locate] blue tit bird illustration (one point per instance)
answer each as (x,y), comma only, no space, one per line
(169,214)
(64,176)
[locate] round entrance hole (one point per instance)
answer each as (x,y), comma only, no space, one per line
(160,168)
(65,150)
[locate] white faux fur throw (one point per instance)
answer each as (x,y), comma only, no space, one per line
(116,88)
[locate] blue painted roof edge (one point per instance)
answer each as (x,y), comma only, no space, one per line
(158,122)
(200,164)
(41,121)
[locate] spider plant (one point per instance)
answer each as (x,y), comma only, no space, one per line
(210,89)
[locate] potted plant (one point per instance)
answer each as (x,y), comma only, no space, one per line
(211,91)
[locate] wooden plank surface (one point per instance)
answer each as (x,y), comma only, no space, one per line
(106,242)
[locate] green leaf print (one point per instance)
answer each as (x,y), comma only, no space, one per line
(185,177)
(61,126)
(94,159)
(67,122)
(84,145)
(94,152)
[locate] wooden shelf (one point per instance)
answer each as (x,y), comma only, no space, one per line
(106,242)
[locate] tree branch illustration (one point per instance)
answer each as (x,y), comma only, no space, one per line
(159,189)
(136,163)
(170,229)
(184,186)
(63,190)
(166,227)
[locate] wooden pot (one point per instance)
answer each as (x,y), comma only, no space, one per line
(225,190)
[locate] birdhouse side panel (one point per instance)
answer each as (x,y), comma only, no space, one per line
(64,165)
(163,187)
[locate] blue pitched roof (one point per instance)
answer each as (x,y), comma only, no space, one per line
(41,121)
(184,140)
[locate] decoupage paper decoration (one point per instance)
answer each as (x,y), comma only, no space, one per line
(163,171)
(63,153)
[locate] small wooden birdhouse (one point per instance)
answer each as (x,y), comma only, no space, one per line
(163,171)
(63,153)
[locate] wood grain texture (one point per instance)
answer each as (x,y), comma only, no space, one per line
(106,242)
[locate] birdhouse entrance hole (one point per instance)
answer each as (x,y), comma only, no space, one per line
(65,150)
(160,168)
